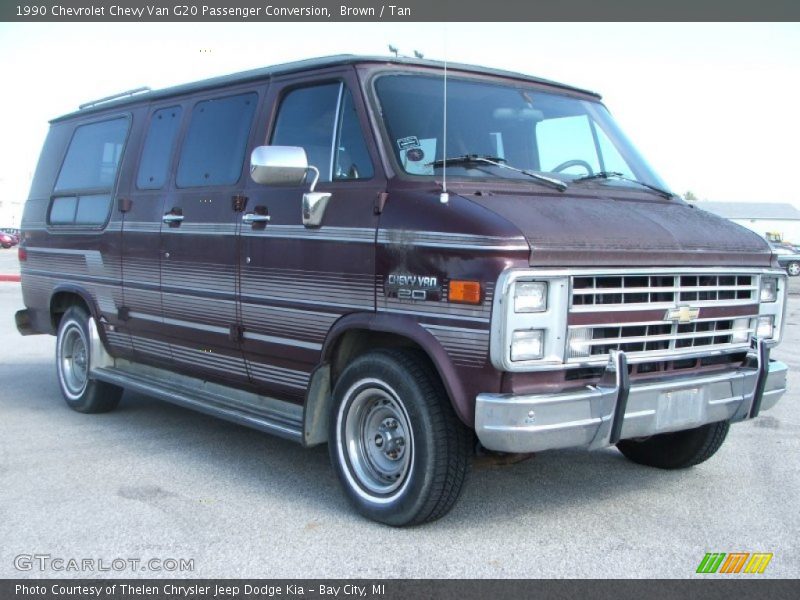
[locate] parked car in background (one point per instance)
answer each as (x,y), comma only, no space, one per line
(13,232)
(788,257)
(7,239)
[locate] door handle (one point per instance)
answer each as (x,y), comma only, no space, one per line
(169,218)
(251,218)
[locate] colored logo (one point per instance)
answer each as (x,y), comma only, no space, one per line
(682,314)
(734,562)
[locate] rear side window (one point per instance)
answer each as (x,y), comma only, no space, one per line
(93,156)
(89,210)
(334,144)
(158,146)
(82,195)
(213,151)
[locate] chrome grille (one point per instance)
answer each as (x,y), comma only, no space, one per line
(617,292)
(652,338)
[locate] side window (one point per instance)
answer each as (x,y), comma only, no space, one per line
(93,156)
(82,194)
(307,118)
(158,146)
(213,151)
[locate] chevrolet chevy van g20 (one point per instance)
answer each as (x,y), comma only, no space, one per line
(278,248)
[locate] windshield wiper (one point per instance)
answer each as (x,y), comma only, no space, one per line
(475,159)
(618,175)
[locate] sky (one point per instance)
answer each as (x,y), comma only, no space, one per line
(712,107)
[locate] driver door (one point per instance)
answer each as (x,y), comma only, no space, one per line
(297,280)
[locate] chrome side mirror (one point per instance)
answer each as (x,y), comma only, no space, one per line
(278,165)
(288,165)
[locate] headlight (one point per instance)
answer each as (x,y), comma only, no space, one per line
(765,326)
(769,289)
(527,344)
(530,296)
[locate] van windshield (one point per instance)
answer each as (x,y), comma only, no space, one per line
(552,134)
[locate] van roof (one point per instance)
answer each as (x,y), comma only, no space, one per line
(145,95)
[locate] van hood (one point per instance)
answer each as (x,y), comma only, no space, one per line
(588,231)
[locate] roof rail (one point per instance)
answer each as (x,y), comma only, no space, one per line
(124,94)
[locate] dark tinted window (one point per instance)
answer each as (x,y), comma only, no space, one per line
(62,211)
(80,210)
(213,151)
(352,159)
(154,164)
(307,118)
(93,156)
(92,210)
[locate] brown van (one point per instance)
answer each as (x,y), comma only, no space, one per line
(329,252)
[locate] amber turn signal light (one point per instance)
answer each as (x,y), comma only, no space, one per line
(467,292)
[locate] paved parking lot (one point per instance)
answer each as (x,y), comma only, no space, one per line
(155,481)
(9,264)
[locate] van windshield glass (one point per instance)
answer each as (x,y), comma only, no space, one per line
(555,135)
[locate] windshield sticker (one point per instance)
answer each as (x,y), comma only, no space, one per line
(415,154)
(417,159)
(408,142)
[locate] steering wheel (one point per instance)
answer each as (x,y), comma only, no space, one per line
(573,163)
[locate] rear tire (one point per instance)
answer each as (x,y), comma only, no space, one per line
(399,450)
(73,359)
(678,450)
(793,268)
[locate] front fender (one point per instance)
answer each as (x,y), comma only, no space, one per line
(409,328)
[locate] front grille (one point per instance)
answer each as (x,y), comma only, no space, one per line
(653,291)
(663,336)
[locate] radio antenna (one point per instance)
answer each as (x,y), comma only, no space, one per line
(444,197)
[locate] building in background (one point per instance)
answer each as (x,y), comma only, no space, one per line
(762,217)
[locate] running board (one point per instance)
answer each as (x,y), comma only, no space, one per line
(269,415)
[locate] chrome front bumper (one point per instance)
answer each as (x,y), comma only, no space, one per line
(615,409)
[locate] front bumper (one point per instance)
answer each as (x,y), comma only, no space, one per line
(615,409)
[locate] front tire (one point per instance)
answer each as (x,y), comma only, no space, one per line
(396,445)
(793,268)
(678,450)
(73,359)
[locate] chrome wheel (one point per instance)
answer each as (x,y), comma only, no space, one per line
(73,360)
(377,438)
(793,269)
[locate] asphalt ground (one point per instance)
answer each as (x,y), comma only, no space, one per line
(9,263)
(153,481)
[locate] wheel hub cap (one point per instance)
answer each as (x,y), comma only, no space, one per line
(74,361)
(378,440)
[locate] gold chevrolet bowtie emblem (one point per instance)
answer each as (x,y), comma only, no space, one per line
(682,314)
